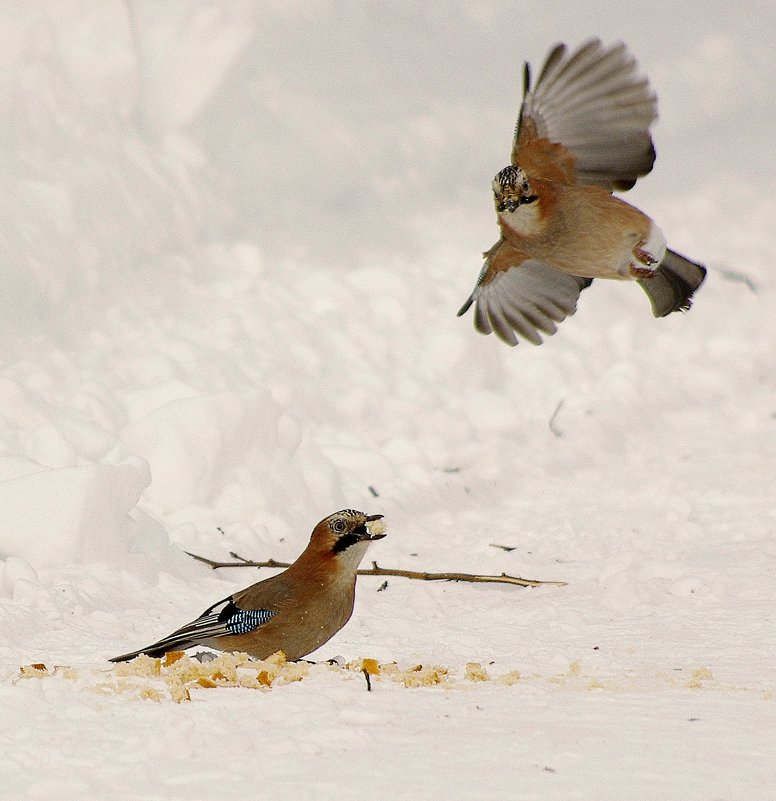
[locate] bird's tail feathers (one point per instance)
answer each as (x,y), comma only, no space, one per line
(206,626)
(672,286)
(175,642)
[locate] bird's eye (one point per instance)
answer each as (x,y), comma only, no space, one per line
(339,526)
(526,187)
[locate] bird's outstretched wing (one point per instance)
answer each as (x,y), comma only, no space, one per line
(515,295)
(588,116)
(222,619)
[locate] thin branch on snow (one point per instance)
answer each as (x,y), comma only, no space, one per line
(375,570)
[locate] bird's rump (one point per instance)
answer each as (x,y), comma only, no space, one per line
(672,286)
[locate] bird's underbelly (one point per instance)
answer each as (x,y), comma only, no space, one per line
(594,242)
(591,259)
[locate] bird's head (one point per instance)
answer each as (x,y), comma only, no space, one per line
(512,189)
(347,533)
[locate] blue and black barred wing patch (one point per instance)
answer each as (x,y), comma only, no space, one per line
(243,621)
(220,620)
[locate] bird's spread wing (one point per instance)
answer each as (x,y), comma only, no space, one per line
(221,619)
(516,295)
(595,106)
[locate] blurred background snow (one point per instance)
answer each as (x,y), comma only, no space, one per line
(236,235)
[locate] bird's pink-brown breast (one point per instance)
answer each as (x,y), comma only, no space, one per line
(582,230)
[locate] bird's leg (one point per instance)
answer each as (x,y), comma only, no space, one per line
(646,263)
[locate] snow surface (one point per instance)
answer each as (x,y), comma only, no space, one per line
(235,236)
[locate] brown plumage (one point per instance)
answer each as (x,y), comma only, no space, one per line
(582,132)
(295,611)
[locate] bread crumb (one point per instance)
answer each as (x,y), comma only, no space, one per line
(474,671)
(172,656)
(420,676)
(179,692)
(509,678)
(142,665)
(698,676)
(371,666)
(150,694)
(34,671)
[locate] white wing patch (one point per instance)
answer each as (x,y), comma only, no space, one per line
(656,244)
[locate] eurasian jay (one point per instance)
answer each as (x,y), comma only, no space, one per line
(582,132)
(295,611)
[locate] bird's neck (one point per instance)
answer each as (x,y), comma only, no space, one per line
(342,565)
(529,220)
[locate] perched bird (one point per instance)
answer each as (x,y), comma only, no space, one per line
(582,132)
(295,611)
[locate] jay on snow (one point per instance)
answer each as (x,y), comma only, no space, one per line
(295,611)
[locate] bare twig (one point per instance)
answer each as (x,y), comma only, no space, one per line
(424,576)
(242,562)
(375,570)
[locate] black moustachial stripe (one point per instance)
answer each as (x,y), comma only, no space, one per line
(351,538)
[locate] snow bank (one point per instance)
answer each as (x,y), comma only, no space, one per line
(69,514)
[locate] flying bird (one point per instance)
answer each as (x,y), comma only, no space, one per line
(582,132)
(295,611)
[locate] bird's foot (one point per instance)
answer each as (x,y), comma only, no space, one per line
(645,265)
(641,272)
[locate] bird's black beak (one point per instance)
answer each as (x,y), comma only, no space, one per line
(508,204)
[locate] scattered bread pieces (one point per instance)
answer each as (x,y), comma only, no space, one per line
(178,677)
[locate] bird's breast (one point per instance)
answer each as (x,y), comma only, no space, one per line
(580,230)
(527,221)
